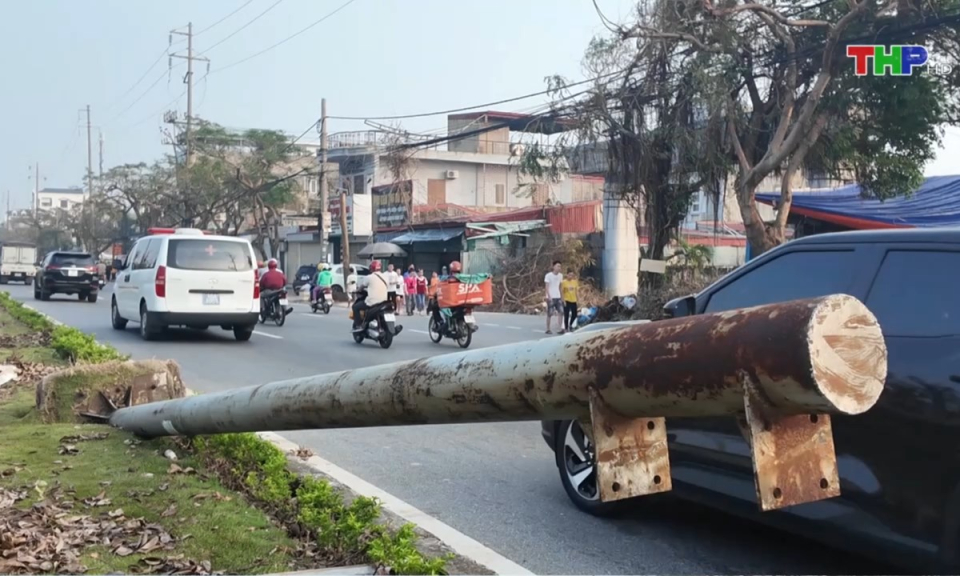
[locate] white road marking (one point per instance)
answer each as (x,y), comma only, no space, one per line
(514,327)
(537,330)
(419,331)
(491,324)
(259,333)
(460,542)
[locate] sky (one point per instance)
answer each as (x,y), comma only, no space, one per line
(371,58)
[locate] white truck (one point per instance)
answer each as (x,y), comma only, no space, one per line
(18,262)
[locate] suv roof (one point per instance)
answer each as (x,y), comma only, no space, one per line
(70,253)
(940,234)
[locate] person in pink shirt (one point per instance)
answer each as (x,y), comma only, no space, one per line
(410,290)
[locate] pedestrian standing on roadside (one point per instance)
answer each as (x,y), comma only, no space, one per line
(102,270)
(410,290)
(553,298)
(393,285)
(421,293)
(569,288)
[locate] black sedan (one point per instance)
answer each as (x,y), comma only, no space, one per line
(899,464)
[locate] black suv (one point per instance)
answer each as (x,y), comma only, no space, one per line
(899,463)
(67,273)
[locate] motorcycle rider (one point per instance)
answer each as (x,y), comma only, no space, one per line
(371,290)
(271,283)
(455,268)
(323,280)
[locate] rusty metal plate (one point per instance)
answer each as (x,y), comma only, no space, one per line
(632,455)
(794,459)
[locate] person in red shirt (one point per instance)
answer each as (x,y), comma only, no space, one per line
(273,279)
(271,283)
(410,291)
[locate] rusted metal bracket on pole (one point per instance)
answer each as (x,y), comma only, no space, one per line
(632,455)
(794,459)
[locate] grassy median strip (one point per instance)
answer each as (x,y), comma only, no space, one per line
(77,497)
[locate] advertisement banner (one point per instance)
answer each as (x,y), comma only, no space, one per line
(392,204)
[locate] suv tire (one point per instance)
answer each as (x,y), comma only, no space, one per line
(584,494)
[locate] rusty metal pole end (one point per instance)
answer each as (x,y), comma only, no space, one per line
(848,353)
(631,453)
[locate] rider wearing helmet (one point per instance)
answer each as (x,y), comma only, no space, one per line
(271,283)
(454,269)
(371,290)
(273,279)
(323,280)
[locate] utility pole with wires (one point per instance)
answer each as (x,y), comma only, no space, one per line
(344,237)
(36,189)
(89,154)
(324,220)
(188,80)
(101,158)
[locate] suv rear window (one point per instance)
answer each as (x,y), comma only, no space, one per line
(209,255)
(78,260)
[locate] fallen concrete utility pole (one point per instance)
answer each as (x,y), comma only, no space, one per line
(782,368)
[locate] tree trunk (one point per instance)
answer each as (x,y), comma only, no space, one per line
(759,236)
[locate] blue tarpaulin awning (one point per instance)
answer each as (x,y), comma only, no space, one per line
(428,235)
(935,203)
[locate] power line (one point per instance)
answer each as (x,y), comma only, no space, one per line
(474,107)
(287,39)
(139,98)
(555,114)
(525,96)
(242,6)
(160,111)
(240,29)
(137,83)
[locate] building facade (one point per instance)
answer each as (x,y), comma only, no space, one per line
(479,171)
(50,199)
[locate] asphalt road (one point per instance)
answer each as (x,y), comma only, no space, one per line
(496,483)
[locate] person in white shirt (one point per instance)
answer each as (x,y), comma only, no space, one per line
(553,298)
(393,280)
(376,286)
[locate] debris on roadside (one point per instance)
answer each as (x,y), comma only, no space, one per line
(170,455)
(302,453)
(50,536)
(176,469)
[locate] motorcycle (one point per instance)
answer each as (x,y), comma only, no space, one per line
(455,323)
(378,322)
(323,302)
(275,307)
(586,317)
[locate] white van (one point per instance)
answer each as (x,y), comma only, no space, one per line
(185,277)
